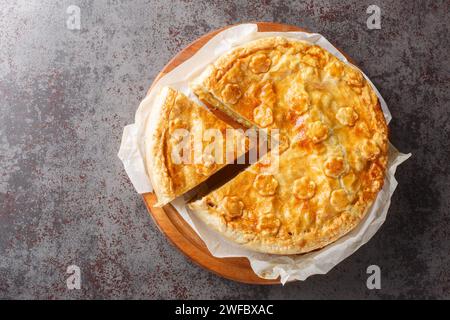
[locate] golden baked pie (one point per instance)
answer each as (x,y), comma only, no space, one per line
(180,146)
(334,138)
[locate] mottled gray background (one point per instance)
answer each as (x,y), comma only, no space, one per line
(65,97)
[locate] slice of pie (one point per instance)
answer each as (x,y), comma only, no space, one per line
(334,134)
(185,145)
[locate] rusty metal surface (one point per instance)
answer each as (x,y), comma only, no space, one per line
(65,96)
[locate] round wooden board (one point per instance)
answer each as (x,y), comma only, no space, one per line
(173,225)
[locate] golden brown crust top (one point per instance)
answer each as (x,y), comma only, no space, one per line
(336,157)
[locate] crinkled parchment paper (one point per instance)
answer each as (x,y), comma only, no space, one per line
(288,268)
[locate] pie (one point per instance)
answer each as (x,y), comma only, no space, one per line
(321,183)
(331,158)
(173,165)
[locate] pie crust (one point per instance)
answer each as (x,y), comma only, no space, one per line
(332,168)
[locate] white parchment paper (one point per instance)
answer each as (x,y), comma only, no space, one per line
(288,268)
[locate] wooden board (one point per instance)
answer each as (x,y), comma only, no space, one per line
(173,225)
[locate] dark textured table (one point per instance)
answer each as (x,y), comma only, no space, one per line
(66,94)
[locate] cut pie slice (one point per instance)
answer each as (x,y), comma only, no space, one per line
(185,144)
